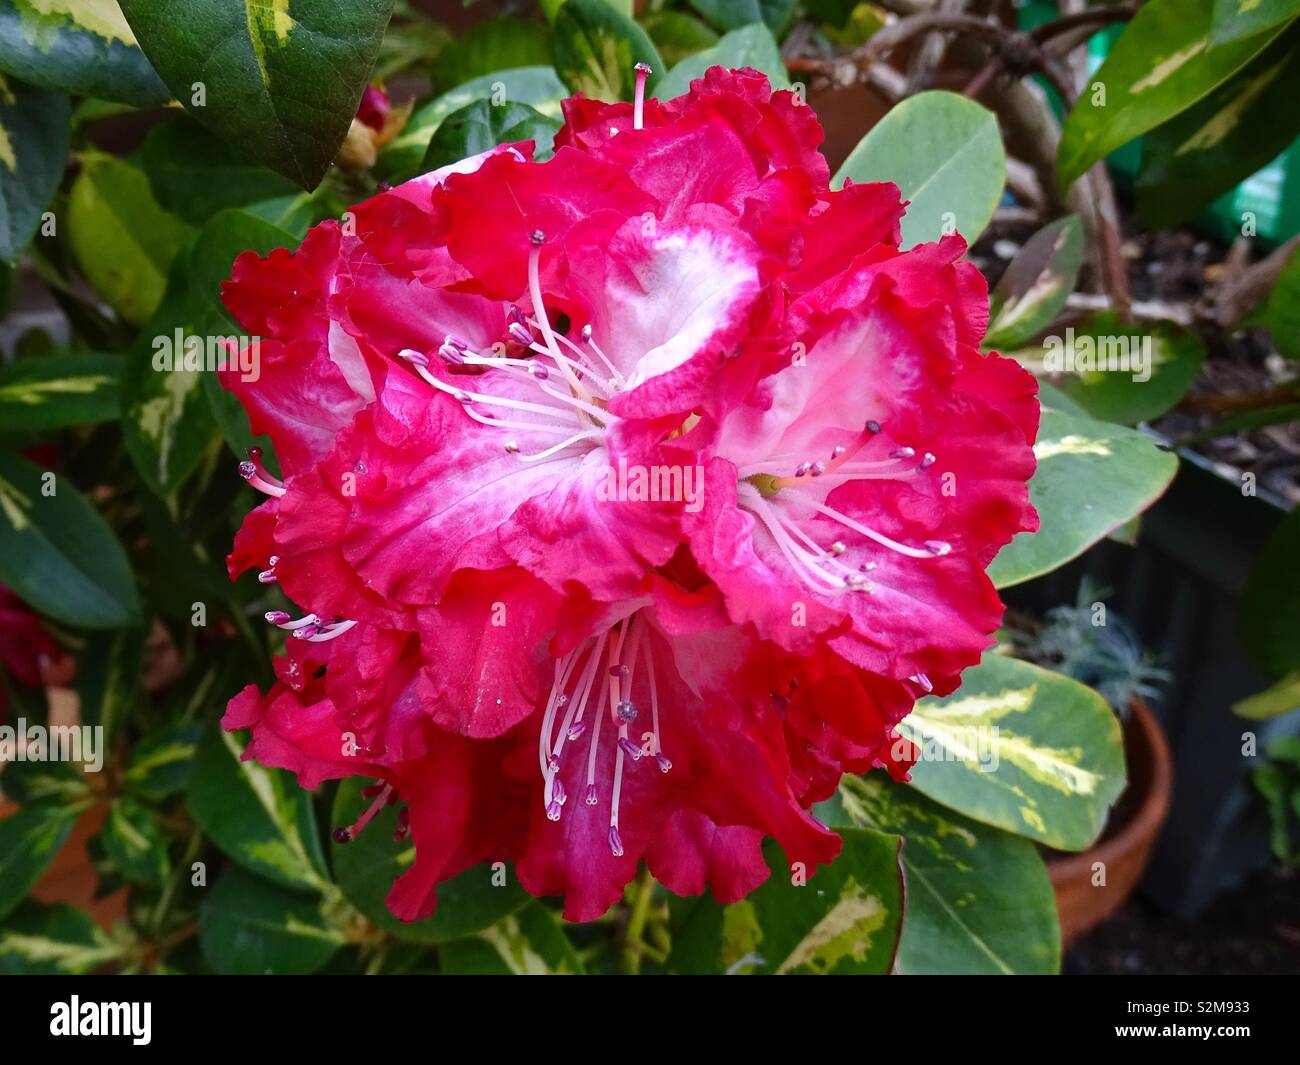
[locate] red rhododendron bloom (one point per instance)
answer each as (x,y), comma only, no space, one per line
(632,497)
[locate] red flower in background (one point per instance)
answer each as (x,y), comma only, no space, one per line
(26,649)
(544,663)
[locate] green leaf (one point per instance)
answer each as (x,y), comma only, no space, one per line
(1281,314)
(1270,602)
(1281,698)
(248,927)
(732,14)
(1223,139)
(123,241)
(34,139)
(366,867)
(39,940)
(194,174)
(259,817)
(109,669)
(596,50)
(58,554)
(162,763)
(165,419)
(1235,19)
(481,126)
(1092,477)
(82,47)
(1154,367)
(54,782)
(528,943)
(752,46)
(1023,749)
(57,391)
(29,840)
(133,842)
(279,78)
(845,919)
(492,45)
(677,35)
(538,87)
(978,899)
(944,152)
(1036,284)
(226,236)
(1161,65)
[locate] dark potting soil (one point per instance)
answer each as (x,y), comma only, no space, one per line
(1255,929)
(1178,269)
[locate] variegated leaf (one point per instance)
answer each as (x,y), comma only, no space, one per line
(82,47)
(844,919)
(279,78)
(1023,749)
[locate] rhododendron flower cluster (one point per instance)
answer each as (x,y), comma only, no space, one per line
(629,498)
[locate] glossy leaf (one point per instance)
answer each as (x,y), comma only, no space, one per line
(538,87)
(194,174)
(677,35)
(482,126)
(1234,19)
(248,927)
(109,671)
(1281,314)
(845,919)
(1161,65)
(34,139)
(1136,374)
(39,940)
(1092,477)
(29,840)
(227,235)
(58,554)
(596,49)
(281,80)
(945,154)
(751,46)
(56,391)
(979,900)
(162,763)
(1281,698)
(528,943)
(1023,749)
(492,45)
(1223,139)
(366,867)
(133,843)
(165,419)
(1036,284)
(259,817)
(123,240)
(732,14)
(82,47)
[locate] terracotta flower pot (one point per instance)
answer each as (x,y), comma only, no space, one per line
(1126,843)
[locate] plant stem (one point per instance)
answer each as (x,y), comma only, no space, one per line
(633,947)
